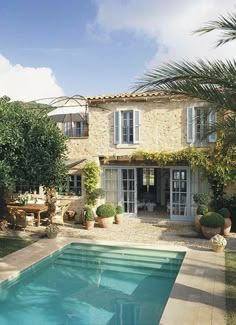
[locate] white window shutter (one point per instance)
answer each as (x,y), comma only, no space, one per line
(136,127)
(116,127)
(190,125)
(212,120)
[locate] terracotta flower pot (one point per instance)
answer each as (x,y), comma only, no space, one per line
(118,218)
(197,222)
(89,224)
(210,232)
(105,222)
(225,230)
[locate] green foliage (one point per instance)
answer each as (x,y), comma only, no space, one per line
(202,209)
(52,229)
(119,209)
(224,212)
(212,220)
(216,168)
(88,213)
(201,198)
(31,146)
(91,179)
(105,211)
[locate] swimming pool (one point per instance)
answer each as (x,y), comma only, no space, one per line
(92,284)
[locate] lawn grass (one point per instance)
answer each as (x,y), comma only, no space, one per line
(10,245)
(230,287)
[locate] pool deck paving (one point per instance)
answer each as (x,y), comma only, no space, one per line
(198,295)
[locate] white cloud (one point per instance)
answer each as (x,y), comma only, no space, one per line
(27,83)
(169,23)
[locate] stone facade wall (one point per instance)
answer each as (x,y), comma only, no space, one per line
(162,127)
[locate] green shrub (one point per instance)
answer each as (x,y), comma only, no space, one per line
(88,214)
(212,220)
(201,198)
(224,212)
(202,209)
(119,209)
(106,211)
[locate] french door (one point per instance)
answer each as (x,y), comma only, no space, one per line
(120,187)
(179,193)
(129,190)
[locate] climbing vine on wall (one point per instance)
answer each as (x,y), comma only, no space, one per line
(91,180)
(218,168)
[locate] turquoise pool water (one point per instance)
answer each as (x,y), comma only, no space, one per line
(91,284)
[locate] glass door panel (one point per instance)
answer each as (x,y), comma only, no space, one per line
(128,190)
(179,192)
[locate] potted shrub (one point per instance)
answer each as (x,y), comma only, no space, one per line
(201,198)
(105,213)
(227,226)
(201,210)
(211,223)
(218,243)
(119,215)
(52,230)
(88,218)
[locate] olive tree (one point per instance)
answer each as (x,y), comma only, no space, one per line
(32,147)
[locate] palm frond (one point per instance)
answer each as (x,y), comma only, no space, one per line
(214,82)
(226,25)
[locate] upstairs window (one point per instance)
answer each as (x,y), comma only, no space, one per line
(76,129)
(198,121)
(126,127)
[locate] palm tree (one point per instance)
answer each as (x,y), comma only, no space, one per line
(211,81)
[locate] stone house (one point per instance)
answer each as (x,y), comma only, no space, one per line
(116,127)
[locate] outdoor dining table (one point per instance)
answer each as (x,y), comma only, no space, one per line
(30,208)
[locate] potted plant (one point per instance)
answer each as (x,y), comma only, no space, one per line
(105,213)
(218,243)
(88,218)
(119,215)
(211,223)
(201,210)
(52,230)
(227,226)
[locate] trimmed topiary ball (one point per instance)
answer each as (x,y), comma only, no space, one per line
(224,212)
(106,211)
(212,220)
(119,209)
(202,209)
(201,198)
(88,214)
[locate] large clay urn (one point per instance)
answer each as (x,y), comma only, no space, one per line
(209,232)
(105,222)
(197,222)
(227,227)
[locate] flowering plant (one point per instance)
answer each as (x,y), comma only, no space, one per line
(218,240)
(24,198)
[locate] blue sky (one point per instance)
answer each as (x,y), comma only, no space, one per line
(92,47)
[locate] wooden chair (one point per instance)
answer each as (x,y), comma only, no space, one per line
(11,217)
(58,218)
(21,219)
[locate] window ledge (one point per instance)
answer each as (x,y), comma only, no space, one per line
(127,146)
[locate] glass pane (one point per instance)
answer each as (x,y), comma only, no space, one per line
(124,173)
(183,186)
(131,173)
(183,174)
(176,174)
(175,198)
(183,198)
(175,186)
